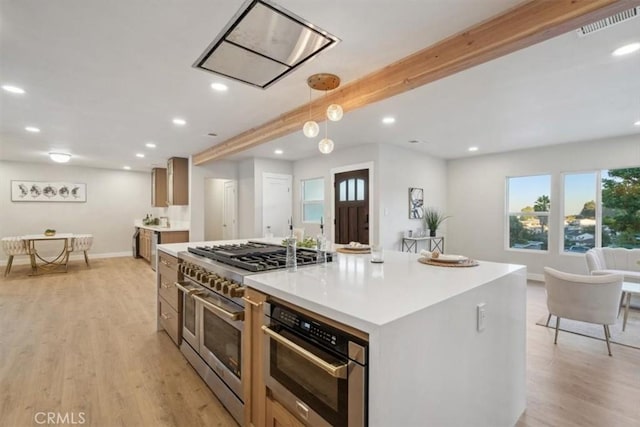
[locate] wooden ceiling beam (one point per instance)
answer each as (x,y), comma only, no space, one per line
(522,26)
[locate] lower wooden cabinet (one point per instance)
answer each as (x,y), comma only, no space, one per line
(145,244)
(255,391)
(169,301)
(278,416)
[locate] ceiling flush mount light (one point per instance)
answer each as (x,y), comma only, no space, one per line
(13,89)
(626,49)
(150,145)
(179,122)
(140,155)
(60,157)
(472,149)
(278,151)
(636,123)
(388,120)
(220,87)
(127,168)
(32,129)
(263,43)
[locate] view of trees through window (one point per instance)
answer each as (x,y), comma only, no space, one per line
(601,209)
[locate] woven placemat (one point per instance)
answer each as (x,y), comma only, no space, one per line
(467,263)
(354,250)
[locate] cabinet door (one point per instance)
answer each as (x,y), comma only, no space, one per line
(159,187)
(178,181)
(278,416)
(255,391)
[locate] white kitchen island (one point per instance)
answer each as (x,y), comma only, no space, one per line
(429,364)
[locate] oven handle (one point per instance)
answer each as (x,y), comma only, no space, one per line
(187,292)
(335,371)
(219,310)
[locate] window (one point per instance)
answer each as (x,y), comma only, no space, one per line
(352,189)
(312,200)
(528,206)
(580,195)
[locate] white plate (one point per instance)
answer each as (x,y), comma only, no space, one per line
(450,258)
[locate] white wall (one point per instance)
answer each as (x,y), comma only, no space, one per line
(213,208)
(401,168)
(476,188)
(246,199)
(115,198)
(262,166)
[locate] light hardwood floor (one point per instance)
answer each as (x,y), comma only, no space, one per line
(86,342)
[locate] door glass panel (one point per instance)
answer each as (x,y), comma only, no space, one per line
(360,189)
(343,191)
(351,193)
(223,340)
(189,313)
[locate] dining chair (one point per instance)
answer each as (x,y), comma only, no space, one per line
(591,299)
(82,242)
(13,246)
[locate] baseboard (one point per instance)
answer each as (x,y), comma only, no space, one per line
(24,259)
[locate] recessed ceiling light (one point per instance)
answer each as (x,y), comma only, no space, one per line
(150,145)
(388,120)
(179,122)
(636,123)
(32,129)
(140,155)
(127,168)
(473,148)
(13,89)
(220,87)
(626,49)
(278,151)
(60,157)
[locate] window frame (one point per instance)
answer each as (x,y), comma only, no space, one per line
(316,202)
(508,214)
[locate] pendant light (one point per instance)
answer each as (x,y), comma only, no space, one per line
(325,145)
(310,128)
(324,82)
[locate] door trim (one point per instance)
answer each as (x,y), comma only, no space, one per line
(373,224)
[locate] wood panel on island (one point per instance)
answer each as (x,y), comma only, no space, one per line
(169,301)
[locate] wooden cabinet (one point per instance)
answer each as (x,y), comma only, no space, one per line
(255,391)
(145,244)
(278,416)
(178,181)
(173,237)
(169,297)
(159,187)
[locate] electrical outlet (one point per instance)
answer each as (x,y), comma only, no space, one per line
(482,316)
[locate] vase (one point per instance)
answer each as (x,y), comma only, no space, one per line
(432,233)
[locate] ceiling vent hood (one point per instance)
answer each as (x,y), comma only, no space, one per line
(263,43)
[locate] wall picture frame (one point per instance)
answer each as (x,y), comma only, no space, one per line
(416,201)
(48,191)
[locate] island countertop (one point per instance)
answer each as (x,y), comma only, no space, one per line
(356,292)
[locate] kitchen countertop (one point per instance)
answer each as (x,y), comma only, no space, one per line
(176,227)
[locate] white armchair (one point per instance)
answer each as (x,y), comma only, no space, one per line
(13,246)
(82,242)
(592,299)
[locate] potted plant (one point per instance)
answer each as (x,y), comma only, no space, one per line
(432,219)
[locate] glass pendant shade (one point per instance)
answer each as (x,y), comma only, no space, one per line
(334,112)
(311,129)
(325,146)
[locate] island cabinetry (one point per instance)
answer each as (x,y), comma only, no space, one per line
(169,301)
(278,416)
(254,391)
(159,187)
(178,181)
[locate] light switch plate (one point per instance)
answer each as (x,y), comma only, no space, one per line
(482,315)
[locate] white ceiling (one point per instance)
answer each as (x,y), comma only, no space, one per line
(103,78)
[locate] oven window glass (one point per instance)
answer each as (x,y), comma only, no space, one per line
(223,340)
(322,392)
(189,313)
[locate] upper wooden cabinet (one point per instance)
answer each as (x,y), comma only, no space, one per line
(159,187)
(178,181)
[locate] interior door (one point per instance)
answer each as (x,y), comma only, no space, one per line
(229,222)
(352,206)
(276,203)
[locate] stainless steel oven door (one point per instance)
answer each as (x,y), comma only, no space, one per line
(221,326)
(322,388)
(190,314)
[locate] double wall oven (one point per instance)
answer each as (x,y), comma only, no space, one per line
(316,370)
(213,310)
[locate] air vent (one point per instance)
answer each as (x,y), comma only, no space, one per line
(263,43)
(608,22)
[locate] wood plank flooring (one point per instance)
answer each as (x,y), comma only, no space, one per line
(86,342)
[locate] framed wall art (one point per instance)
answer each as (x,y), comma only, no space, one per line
(48,191)
(416,200)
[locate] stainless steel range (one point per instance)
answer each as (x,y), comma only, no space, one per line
(213,309)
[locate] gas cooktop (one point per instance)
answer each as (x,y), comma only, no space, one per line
(256,256)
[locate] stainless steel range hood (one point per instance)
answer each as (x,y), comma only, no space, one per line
(262,43)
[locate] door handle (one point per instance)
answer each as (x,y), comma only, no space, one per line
(219,310)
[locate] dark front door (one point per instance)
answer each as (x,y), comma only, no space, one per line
(352,206)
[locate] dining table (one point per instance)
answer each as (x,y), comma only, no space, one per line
(38,262)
